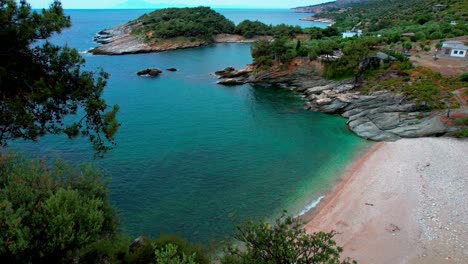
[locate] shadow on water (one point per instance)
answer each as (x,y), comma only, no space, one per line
(277,97)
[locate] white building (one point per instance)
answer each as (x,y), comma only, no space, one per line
(454,48)
(350,34)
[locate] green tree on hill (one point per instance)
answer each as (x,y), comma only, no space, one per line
(42,84)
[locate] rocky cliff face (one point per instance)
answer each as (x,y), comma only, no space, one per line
(380,116)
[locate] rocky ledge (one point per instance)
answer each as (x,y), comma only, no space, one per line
(379,116)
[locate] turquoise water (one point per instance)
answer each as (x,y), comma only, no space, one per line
(194,157)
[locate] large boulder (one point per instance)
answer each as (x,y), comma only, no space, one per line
(151,72)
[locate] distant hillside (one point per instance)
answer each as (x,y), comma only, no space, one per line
(142,4)
(329,6)
(403,15)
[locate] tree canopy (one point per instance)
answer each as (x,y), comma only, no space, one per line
(200,22)
(46,214)
(41,84)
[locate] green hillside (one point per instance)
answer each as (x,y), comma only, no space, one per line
(405,16)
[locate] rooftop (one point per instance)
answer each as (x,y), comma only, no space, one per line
(453,44)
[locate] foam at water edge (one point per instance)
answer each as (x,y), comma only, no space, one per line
(310,206)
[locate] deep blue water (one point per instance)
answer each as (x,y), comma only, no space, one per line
(193,157)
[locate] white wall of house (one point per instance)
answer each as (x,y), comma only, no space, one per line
(350,34)
(458,53)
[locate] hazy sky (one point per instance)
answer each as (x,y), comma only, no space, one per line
(72,4)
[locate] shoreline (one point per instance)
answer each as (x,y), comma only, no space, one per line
(400,202)
(345,176)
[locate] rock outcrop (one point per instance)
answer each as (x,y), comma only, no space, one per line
(379,116)
(151,72)
(121,40)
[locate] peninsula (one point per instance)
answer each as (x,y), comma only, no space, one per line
(181,28)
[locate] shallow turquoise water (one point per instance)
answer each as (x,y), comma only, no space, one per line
(194,157)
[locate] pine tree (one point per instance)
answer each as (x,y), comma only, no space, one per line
(41,84)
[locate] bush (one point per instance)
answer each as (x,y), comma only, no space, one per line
(462,133)
(464,77)
(47,213)
(284,242)
(461,121)
(183,247)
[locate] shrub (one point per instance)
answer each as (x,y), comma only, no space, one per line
(49,212)
(464,77)
(286,241)
(462,133)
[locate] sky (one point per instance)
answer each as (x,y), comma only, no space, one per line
(96,4)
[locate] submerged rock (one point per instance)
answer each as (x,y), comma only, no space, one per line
(171,69)
(152,72)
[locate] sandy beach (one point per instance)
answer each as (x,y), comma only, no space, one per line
(401,202)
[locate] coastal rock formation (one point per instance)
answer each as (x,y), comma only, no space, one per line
(151,72)
(379,116)
(120,40)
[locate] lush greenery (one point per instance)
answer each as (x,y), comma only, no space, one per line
(250,29)
(385,24)
(394,17)
(199,22)
(48,213)
(284,242)
(42,84)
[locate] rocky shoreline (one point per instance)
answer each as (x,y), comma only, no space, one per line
(378,116)
(121,40)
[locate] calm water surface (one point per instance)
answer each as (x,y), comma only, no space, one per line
(194,157)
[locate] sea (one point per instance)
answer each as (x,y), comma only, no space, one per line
(195,158)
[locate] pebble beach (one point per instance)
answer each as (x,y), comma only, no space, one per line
(401,202)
